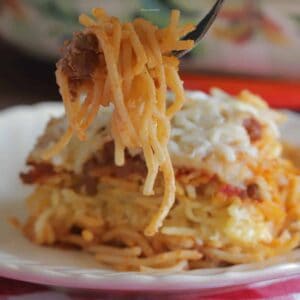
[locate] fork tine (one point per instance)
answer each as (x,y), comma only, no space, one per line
(202,27)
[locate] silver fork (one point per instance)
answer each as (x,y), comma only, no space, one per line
(201,28)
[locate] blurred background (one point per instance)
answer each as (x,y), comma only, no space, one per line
(253,44)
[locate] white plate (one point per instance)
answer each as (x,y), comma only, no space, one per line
(20,259)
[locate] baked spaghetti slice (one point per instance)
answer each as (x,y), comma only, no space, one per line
(237,199)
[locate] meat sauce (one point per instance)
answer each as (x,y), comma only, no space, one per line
(253,128)
(81,56)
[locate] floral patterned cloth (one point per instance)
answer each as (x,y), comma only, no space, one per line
(250,36)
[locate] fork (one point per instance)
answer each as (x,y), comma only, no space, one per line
(201,28)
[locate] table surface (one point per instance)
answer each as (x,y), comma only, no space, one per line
(17,290)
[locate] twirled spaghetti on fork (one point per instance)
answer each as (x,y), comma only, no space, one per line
(131,66)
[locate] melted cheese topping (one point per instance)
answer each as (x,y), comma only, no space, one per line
(213,125)
(205,127)
(207,134)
